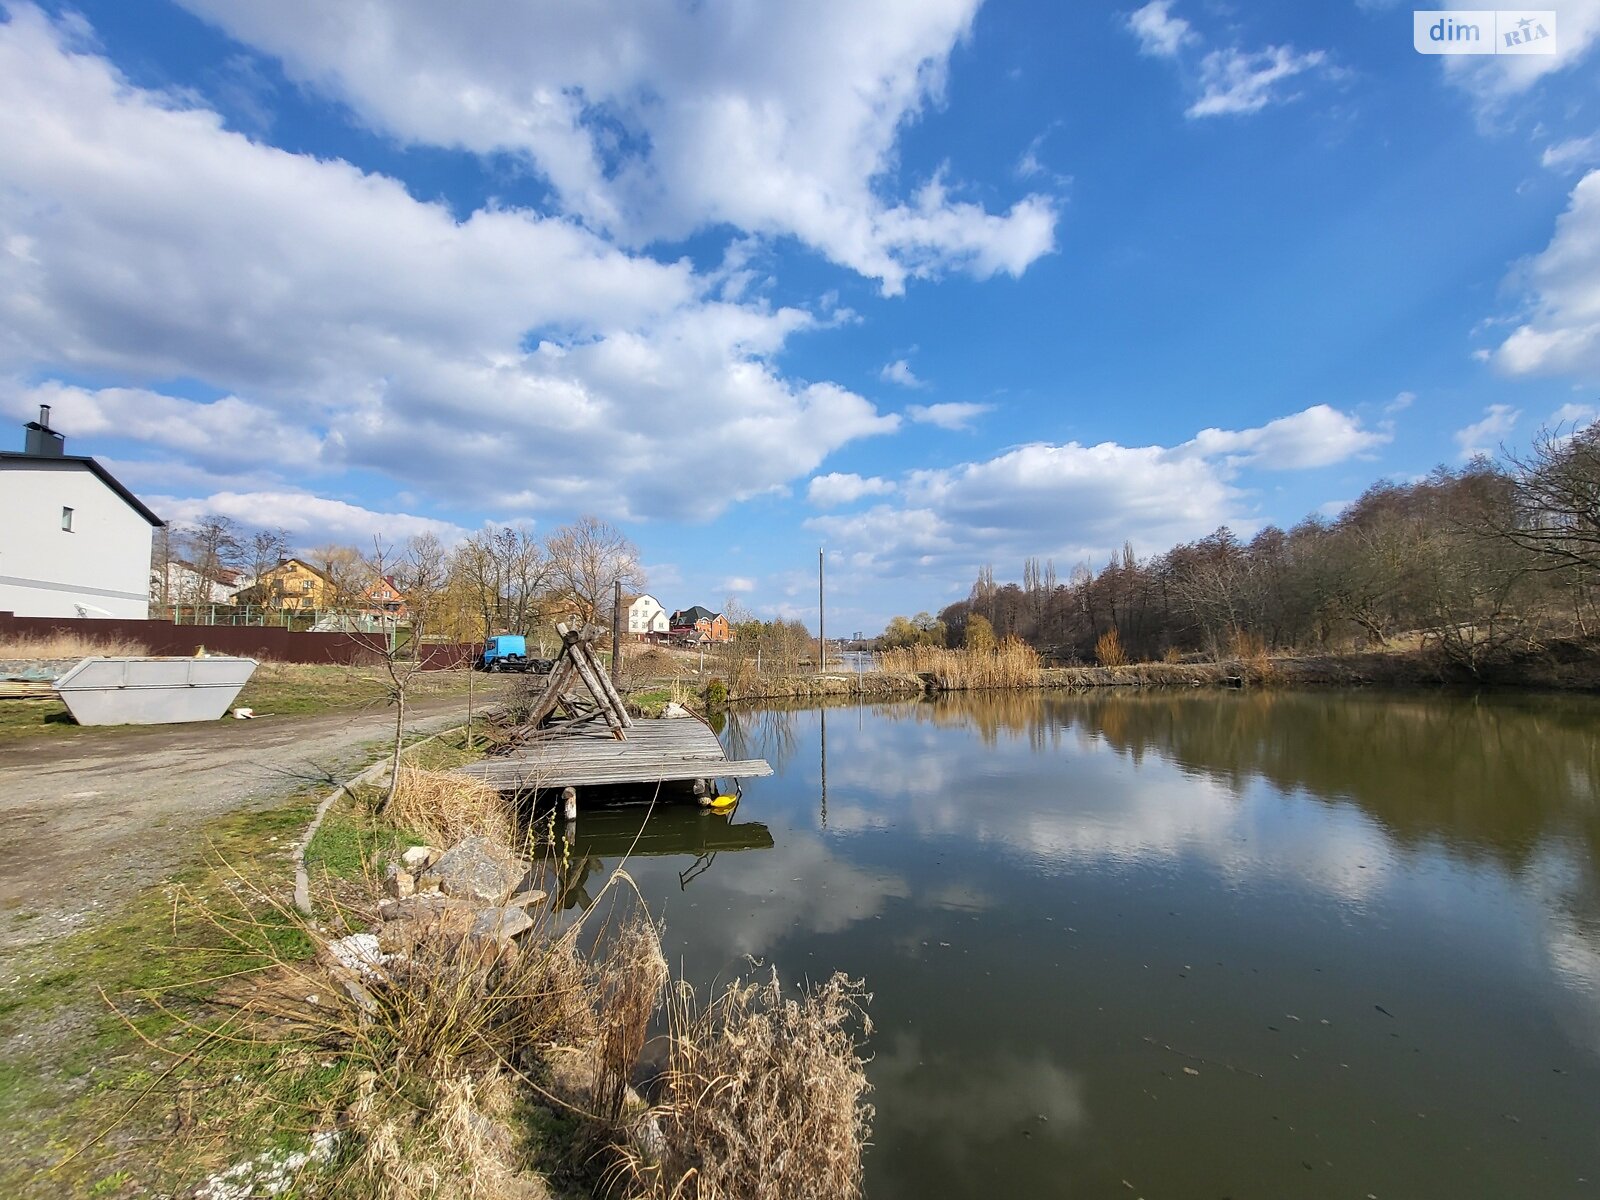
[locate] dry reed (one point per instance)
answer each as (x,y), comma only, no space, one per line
(628,988)
(1013,664)
(763,1098)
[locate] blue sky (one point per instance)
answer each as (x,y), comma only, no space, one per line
(930,283)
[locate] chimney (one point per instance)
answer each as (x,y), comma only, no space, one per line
(42,441)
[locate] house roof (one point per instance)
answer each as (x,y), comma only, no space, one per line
(94,468)
(690,615)
(300,562)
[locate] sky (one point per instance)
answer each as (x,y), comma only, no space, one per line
(925,284)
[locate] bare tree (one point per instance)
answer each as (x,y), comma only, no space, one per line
(421,575)
(265,549)
(214,545)
(588,558)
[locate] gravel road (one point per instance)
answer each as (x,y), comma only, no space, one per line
(88,819)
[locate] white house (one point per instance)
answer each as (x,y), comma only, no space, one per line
(74,542)
(645,616)
(187,584)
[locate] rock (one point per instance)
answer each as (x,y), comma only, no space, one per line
(674,709)
(501,924)
(475,868)
(423,906)
(399,883)
(359,953)
(526,899)
(419,858)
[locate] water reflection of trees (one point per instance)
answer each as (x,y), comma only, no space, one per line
(1492,778)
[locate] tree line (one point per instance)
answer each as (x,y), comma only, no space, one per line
(1496,556)
(498,580)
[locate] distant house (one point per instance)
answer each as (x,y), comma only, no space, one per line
(646,617)
(383,598)
(74,542)
(699,624)
(186,583)
(292,584)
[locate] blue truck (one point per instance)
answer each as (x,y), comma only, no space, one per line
(509,652)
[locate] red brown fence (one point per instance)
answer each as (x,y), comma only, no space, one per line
(280,645)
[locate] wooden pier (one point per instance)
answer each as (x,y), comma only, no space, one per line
(589,755)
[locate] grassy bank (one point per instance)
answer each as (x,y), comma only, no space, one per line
(207,1032)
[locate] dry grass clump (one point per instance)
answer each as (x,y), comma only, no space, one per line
(763,1098)
(1250,652)
(1013,664)
(70,645)
(444,808)
(456,1143)
(413,1054)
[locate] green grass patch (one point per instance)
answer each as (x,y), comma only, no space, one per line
(352,844)
(73,1066)
(651,700)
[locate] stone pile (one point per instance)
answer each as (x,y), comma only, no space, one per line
(474,896)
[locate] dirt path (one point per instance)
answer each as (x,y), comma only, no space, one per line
(88,820)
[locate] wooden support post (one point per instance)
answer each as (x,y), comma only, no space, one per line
(560,678)
(595,681)
(569,803)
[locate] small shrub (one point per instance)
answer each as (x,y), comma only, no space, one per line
(1108,649)
(717,694)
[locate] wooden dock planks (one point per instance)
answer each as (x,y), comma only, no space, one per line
(656,751)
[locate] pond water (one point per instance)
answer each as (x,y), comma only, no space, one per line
(1174,946)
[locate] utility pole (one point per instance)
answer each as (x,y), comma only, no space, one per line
(616,633)
(822,635)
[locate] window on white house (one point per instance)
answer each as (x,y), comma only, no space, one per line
(66,520)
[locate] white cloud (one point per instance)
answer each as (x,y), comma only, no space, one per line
(1484,437)
(1401,402)
(223,434)
(1234,81)
(1316,437)
(899,371)
(948,416)
(1561,334)
(737,583)
(1160,34)
(830,491)
(1495,79)
(653,121)
(348,325)
(1574,415)
(310,519)
(1074,502)
(1572,153)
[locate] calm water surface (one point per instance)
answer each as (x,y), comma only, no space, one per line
(1178,946)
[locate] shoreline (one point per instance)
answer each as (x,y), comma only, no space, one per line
(1569,668)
